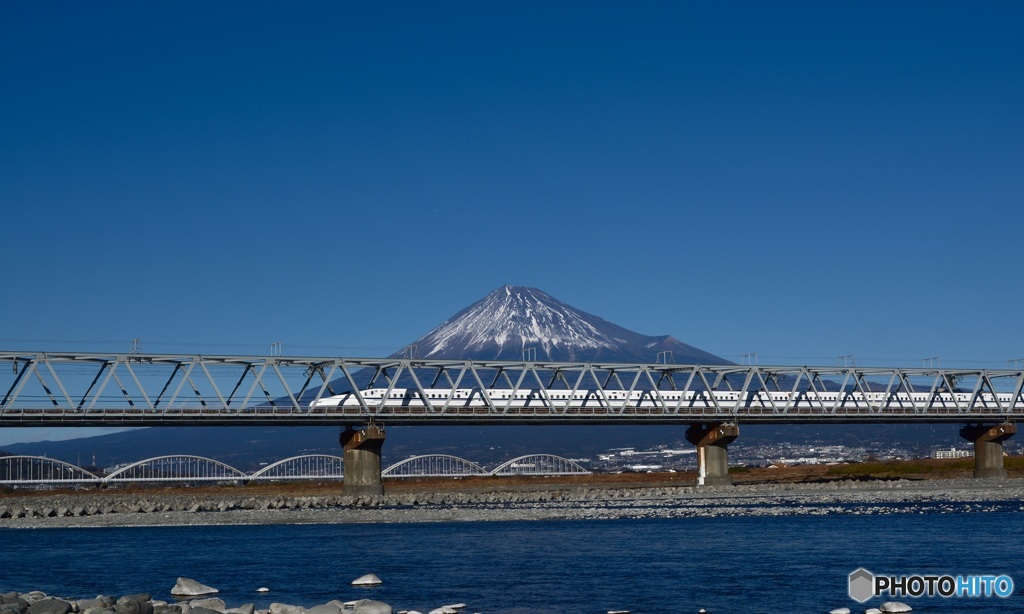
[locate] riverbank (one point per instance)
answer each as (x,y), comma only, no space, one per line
(500,501)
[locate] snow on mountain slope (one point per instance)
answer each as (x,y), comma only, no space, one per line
(514,322)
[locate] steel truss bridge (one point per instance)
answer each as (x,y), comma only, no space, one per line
(92,389)
(35,470)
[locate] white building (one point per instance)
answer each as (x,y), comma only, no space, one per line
(952,453)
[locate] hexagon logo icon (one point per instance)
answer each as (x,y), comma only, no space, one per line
(862,585)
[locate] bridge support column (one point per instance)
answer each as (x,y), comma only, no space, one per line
(362,460)
(988,447)
(712,452)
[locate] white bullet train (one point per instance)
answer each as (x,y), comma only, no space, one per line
(504,398)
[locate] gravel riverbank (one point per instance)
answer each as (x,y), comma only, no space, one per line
(178,507)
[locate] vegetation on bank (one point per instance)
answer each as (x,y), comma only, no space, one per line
(888,468)
(917,468)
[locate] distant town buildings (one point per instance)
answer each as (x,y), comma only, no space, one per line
(679,457)
(952,453)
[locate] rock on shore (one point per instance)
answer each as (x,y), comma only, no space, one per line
(370,579)
(36,602)
(187,587)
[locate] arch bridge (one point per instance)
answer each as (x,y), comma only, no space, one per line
(32,470)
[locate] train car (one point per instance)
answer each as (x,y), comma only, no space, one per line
(504,399)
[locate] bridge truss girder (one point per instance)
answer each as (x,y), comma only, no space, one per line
(90,389)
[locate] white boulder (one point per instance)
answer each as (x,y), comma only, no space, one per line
(895,606)
(187,587)
(370,579)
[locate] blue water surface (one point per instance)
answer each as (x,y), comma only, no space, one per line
(726,565)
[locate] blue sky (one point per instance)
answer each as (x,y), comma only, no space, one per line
(802,180)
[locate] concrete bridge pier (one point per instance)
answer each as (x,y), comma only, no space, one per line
(362,460)
(988,447)
(712,452)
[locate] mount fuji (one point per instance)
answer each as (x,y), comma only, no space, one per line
(521,323)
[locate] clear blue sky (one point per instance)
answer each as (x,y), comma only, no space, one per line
(803,180)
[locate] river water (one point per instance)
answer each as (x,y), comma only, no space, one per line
(791,564)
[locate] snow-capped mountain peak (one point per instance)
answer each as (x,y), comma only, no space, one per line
(515,322)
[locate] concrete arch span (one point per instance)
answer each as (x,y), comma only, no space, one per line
(539,464)
(42,470)
(434,465)
(306,466)
(176,468)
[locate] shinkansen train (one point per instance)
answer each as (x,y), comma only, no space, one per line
(502,398)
